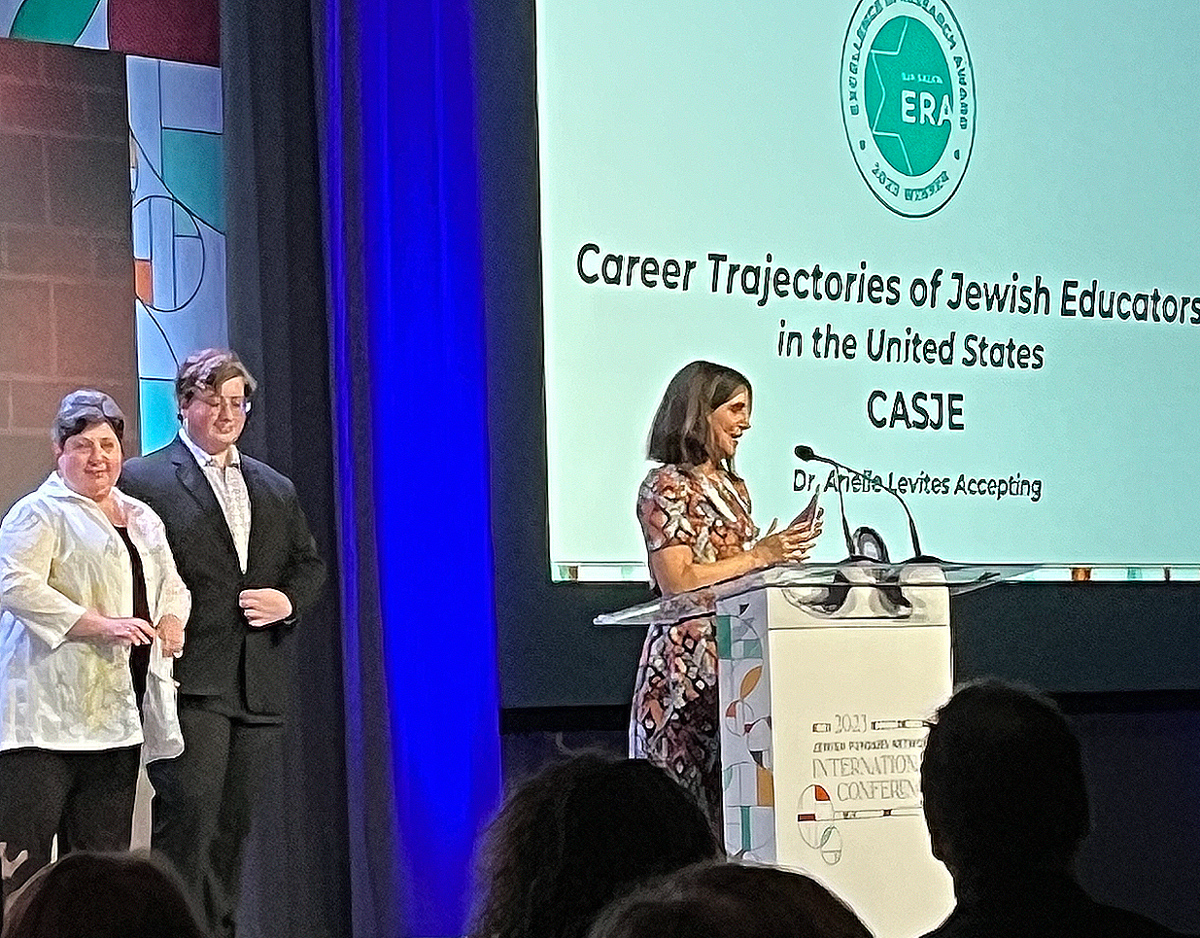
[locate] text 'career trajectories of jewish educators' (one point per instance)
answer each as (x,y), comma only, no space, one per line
(979,296)
(762,282)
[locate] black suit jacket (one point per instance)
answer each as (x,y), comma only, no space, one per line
(1039,905)
(224,657)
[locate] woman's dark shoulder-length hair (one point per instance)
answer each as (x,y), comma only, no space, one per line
(679,434)
(576,836)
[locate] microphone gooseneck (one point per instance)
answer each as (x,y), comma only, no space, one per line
(807,454)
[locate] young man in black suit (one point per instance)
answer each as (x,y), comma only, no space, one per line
(242,546)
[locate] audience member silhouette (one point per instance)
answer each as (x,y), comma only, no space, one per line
(103,895)
(578,835)
(1007,808)
(730,900)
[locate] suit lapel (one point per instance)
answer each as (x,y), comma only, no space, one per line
(193,480)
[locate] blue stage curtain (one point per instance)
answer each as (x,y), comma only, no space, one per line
(397,141)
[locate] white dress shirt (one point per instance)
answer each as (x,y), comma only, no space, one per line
(229,486)
(59,557)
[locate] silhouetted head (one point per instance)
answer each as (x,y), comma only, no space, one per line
(1003,783)
(103,895)
(730,900)
(578,835)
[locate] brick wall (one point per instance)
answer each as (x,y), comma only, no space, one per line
(66,252)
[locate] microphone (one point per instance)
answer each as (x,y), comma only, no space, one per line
(807,454)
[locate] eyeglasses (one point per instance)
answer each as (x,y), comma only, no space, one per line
(217,403)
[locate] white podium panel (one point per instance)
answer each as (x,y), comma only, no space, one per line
(824,697)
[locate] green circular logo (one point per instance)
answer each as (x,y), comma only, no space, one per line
(908,102)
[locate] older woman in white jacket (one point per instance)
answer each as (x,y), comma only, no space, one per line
(86,578)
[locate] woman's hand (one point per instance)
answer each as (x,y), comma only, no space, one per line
(792,544)
(105,630)
(170,632)
(675,571)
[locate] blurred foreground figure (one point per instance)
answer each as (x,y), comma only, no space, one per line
(730,900)
(578,835)
(1007,808)
(103,895)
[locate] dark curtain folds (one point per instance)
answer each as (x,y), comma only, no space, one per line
(396,97)
(296,879)
(400,176)
(356,295)
(375,871)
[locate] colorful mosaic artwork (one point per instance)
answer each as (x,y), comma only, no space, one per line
(174,112)
(745,694)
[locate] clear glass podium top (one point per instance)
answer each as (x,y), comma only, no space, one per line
(957,577)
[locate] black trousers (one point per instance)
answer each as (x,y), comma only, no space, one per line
(205,801)
(84,797)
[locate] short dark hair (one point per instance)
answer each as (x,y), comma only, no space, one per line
(679,434)
(207,370)
(86,408)
(578,835)
(731,900)
(103,895)
(1002,780)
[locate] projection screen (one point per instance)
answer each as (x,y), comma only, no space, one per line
(952,245)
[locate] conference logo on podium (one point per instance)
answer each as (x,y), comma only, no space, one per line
(907,90)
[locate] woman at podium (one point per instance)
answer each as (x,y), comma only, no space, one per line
(694,511)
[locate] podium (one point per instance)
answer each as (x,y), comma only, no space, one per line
(827,676)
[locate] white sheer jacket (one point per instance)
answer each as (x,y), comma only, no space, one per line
(60,556)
